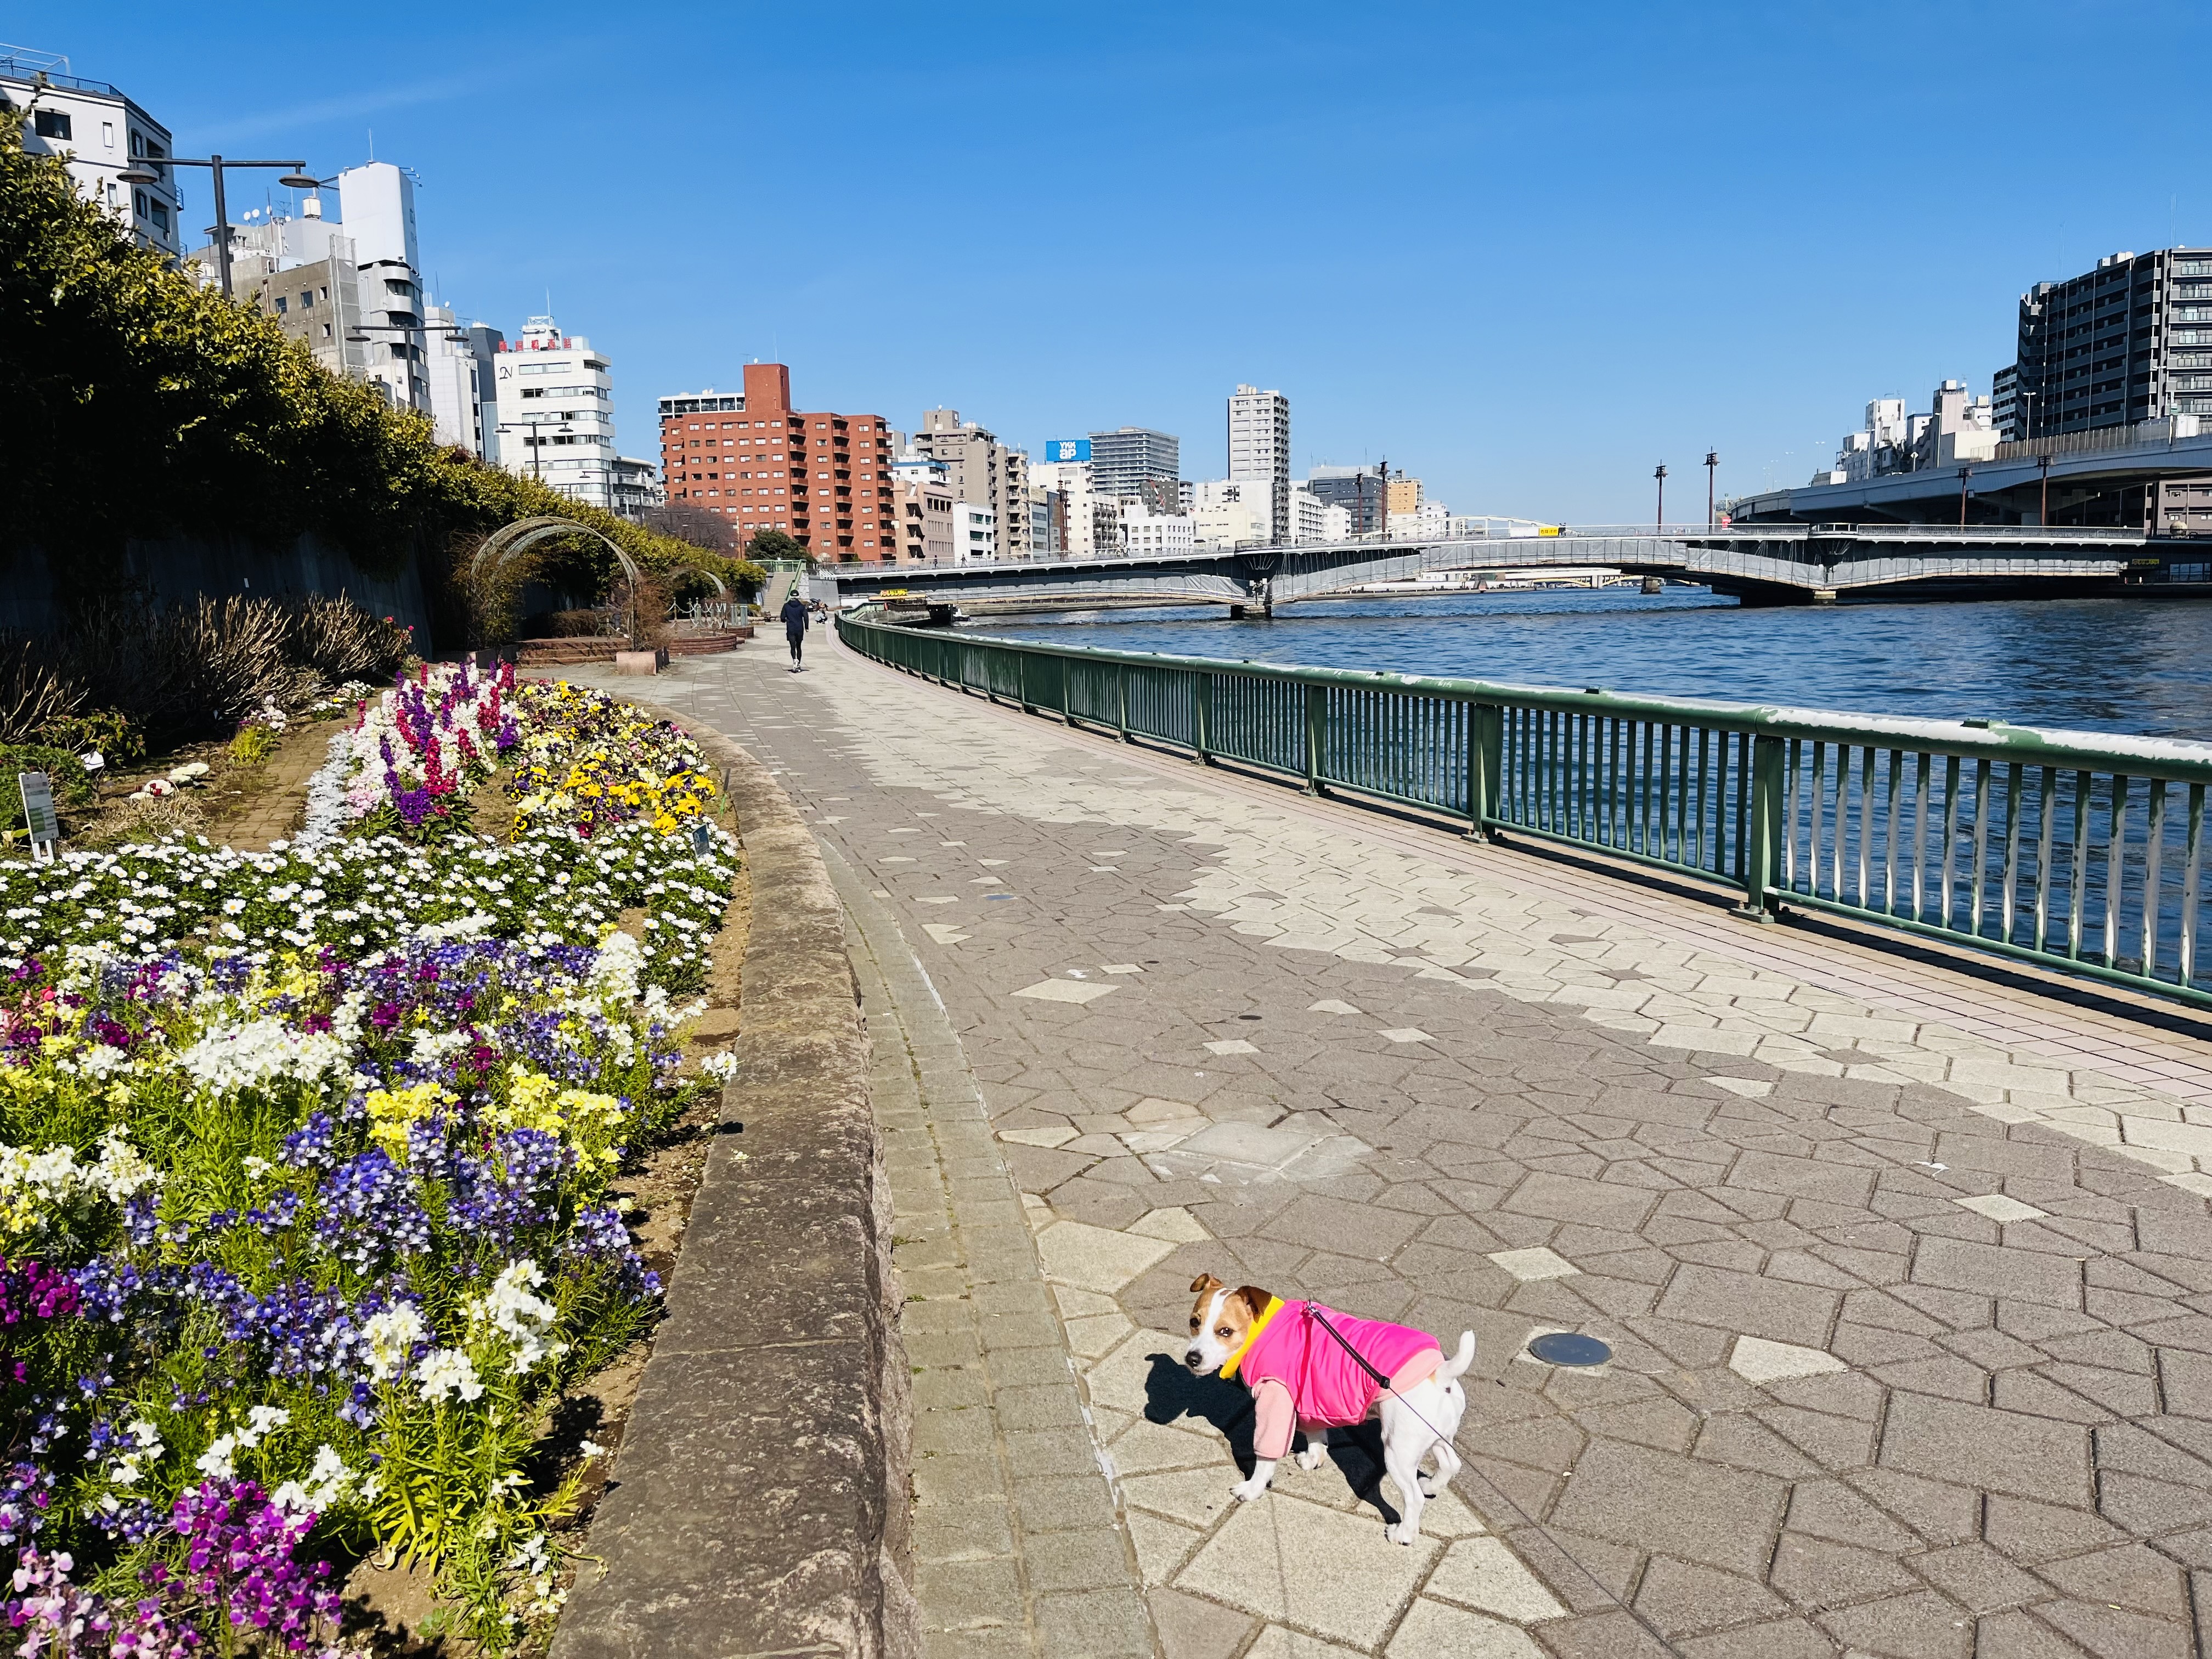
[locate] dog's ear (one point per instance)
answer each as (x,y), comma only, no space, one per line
(1254,1298)
(1203,1283)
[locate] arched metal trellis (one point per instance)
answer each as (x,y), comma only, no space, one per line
(505,545)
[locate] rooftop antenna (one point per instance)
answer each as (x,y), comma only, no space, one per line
(371,143)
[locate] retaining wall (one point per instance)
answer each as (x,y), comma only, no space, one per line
(759,1503)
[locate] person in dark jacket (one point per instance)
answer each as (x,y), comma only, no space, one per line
(794,627)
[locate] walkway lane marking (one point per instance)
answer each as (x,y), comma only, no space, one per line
(1064,990)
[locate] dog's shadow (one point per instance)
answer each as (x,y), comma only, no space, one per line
(1172,1390)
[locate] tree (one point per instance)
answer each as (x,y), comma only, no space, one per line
(695,524)
(773,545)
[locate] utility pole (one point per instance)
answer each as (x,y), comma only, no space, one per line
(1382,478)
(1712,461)
(1659,522)
(2043,507)
(1965,473)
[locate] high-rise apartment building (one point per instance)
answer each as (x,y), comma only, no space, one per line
(985,472)
(1259,449)
(823,479)
(100,132)
(2128,341)
(556,416)
(1360,490)
(1123,462)
(1404,494)
(921,490)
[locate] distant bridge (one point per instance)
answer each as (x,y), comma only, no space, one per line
(1757,563)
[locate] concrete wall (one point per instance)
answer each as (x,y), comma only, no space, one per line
(38,585)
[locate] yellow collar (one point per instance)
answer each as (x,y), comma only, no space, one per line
(1228,1365)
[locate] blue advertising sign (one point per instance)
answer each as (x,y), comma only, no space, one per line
(1067,449)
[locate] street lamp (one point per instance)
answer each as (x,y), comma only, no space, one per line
(1712,461)
(141,171)
(1965,473)
(1659,523)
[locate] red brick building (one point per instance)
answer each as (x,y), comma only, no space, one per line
(823,479)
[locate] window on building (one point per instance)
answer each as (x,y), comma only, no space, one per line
(326,330)
(108,135)
(159,214)
(52,123)
(280,305)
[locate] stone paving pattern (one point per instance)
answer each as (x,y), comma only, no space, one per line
(1910,1319)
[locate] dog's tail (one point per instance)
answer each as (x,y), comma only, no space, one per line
(1453,1368)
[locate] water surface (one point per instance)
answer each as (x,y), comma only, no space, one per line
(2135,665)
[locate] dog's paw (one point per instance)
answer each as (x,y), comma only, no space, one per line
(1399,1532)
(1428,1485)
(1245,1490)
(1310,1457)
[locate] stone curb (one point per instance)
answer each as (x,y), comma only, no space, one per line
(759,1503)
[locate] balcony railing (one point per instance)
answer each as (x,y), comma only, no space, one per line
(2082,852)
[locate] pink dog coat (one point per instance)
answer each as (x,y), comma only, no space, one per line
(1299,1372)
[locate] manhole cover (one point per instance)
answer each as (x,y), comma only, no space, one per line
(1565,1348)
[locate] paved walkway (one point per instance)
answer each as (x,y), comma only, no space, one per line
(1902,1269)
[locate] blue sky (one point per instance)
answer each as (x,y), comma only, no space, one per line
(1524,251)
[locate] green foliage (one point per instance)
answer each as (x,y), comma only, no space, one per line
(228,427)
(773,545)
(253,744)
(73,785)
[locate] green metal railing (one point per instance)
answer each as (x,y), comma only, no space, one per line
(2080,851)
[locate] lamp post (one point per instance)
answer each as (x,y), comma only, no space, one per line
(1660,521)
(140,171)
(1965,473)
(1712,461)
(2043,507)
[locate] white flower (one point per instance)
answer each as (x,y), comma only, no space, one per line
(589,1450)
(391,1336)
(251,1052)
(259,1421)
(444,1371)
(327,1483)
(524,1319)
(219,1461)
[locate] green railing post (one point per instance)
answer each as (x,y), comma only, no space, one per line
(1066,717)
(1204,728)
(1486,758)
(1121,698)
(1317,722)
(1762,829)
(1022,681)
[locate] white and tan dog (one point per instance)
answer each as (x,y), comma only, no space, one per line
(1301,1375)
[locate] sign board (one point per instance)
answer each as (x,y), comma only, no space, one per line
(1067,449)
(38,792)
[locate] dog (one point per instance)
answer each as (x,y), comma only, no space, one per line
(1300,1374)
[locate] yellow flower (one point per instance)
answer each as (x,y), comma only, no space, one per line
(390,1111)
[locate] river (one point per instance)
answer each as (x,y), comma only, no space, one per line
(2143,667)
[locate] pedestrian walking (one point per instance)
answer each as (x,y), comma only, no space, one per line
(795,628)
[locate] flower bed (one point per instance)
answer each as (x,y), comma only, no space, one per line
(303,1192)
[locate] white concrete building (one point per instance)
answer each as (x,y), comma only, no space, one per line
(101,133)
(1232,512)
(1073,516)
(1309,520)
(1429,522)
(556,419)
(1260,450)
(637,487)
(1147,534)
(377,203)
(464,392)
(974,532)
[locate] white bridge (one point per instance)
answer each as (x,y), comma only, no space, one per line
(1761,563)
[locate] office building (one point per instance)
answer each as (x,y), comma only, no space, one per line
(376,203)
(1147,534)
(2129,341)
(1233,512)
(1405,495)
(1429,521)
(984,472)
(556,419)
(1136,463)
(1310,519)
(100,132)
(921,490)
(1359,490)
(299,271)
(1065,473)
(823,479)
(1259,449)
(464,389)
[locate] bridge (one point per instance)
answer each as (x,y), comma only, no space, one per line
(1757,563)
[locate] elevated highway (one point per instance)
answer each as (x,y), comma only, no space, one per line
(1757,563)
